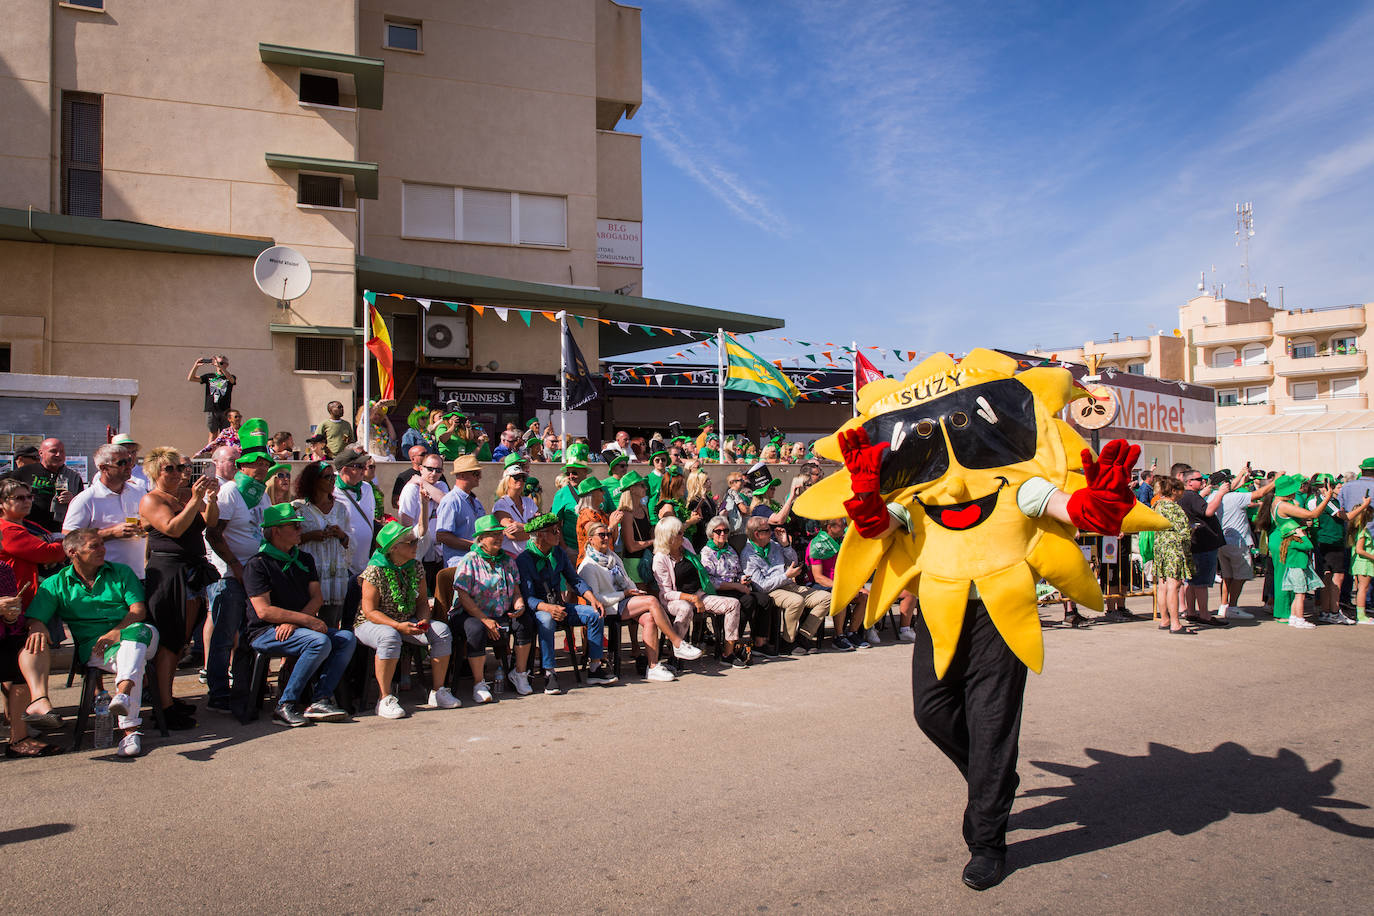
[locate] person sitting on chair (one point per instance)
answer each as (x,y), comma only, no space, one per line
(284,601)
(545,573)
(487,603)
(102,604)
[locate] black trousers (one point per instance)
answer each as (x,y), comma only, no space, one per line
(755,611)
(973,715)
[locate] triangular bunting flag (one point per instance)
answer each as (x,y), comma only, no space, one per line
(424,303)
(369,297)
(501,313)
(647,330)
(581,323)
(524,316)
(549,315)
(453,306)
(910,355)
(623,325)
(479,309)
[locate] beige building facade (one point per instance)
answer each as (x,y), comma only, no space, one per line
(467,152)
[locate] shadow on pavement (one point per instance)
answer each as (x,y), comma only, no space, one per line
(1121,798)
(36,832)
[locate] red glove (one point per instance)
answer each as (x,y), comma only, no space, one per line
(1103,504)
(864,462)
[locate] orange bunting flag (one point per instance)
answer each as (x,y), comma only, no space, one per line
(778,363)
(910,355)
(826,354)
(549,315)
(669,330)
(479,309)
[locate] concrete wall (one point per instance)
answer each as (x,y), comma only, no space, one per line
(26,135)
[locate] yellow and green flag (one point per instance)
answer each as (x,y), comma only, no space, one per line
(747,371)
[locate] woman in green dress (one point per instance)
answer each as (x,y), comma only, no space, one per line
(1173,556)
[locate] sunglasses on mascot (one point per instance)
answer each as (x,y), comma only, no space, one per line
(986,426)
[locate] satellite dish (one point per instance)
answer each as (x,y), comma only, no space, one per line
(282,273)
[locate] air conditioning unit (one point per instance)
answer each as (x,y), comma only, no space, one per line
(445,337)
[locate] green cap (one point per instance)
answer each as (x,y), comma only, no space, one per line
(630,479)
(454,413)
(1367,464)
(391,533)
(659,453)
(589,485)
(540,522)
(487,524)
(280,514)
(514,458)
(278,468)
(1288,484)
(532,421)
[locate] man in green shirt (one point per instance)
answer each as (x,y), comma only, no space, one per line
(102,604)
(337,431)
(711,450)
(565,502)
(455,438)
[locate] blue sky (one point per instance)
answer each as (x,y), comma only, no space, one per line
(939,176)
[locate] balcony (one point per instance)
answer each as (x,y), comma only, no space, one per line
(1336,364)
(1228,375)
(618,63)
(1315,321)
(1237,411)
(1248,332)
(1321,405)
(1129,348)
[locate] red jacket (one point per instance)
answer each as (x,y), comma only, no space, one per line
(23,551)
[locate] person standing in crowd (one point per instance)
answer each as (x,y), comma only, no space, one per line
(421,498)
(394,610)
(1331,553)
(512,507)
(1200,504)
(234,539)
(1361,558)
(351,489)
(110,505)
(459,510)
(416,455)
(1173,562)
(820,557)
(1355,492)
(1286,507)
(416,432)
(1145,492)
(283,619)
(510,444)
(176,560)
(1233,559)
(219,385)
(377,426)
(102,602)
(52,483)
(324,535)
(317,448)
(126,442)
(282,446)
(337,431)
(776,571)
(229,435)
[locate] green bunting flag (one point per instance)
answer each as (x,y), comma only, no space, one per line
(524,316)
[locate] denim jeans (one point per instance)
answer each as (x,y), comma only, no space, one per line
(328,654)
(228,604)
(581,616)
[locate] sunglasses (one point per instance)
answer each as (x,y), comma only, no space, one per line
(433,468)
(25,498)
(720,531)
(602,534)
(179,468)
(283,475)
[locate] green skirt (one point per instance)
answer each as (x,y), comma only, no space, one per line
(1300,581)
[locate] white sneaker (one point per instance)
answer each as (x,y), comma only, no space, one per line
(119,706)
(521,682)
(131,745)
(872,637)
(1235,613)
(687,652)
(480,693)
(906,634)
(1366,621)
(389,707)
(1298,623)
(660,672)
(443,698)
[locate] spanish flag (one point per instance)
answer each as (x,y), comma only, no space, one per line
(746,371)
(379,345)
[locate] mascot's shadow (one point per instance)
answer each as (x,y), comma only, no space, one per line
(1120,798)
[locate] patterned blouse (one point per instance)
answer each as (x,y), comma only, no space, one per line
(722,565)
(386,602)
(493,587)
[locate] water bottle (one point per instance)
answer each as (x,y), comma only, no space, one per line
(103,727)
(499,687)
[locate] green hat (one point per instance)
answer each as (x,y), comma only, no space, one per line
(487,524)
(532,421)
(1367,464)
(590,485)
(253,441)
(280,514)
(673,471)
(763,490)
(249,457)
(1323,479)
(659,452)
(540,522)
(454,413)
(1287,526)
(514,458)
(533,486)
(1288,484)
(618,459)
(277,468)
(391,533)
(630,479)
(579,451)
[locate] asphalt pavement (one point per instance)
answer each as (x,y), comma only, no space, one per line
(1230,771)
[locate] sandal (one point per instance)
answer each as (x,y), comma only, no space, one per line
(1184,631)
(31,747)
(48,721)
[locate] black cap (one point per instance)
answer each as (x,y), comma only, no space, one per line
(28,451)
(1219,478)
(350,456)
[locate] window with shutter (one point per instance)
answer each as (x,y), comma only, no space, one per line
(486,216)
(543,220)
(81,152)
(319,190)
(319,90)
(1345,387)
(428,211)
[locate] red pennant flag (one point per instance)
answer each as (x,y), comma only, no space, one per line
(910,355)
(867,372)
(826,354)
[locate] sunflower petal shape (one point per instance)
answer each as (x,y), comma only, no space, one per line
(943,604)
(825,500)
(1060,562)
(891,576)
(856,561)
(1143,518)
(1009,595)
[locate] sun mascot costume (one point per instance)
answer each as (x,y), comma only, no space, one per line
(965,487)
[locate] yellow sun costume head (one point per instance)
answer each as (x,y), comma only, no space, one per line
(962,438)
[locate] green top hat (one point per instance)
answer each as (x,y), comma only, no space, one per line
(1288,484)
(487,524)
(590,485)
(251,455)
(540,522)
(280,514)
(630,479)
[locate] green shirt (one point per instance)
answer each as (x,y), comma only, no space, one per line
(565,507)
(708,454)
(456,446)
(89,612)
(1327,527)
(337,434)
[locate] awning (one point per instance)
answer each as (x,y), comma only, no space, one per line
(458,286)
(1292,423)
(364,174)
(38,226)
(367,72)
(318,330)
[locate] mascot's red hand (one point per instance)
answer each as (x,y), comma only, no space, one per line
(1105,501)
(864,463)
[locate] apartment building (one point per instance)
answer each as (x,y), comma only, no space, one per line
(472,152)
(1162,356)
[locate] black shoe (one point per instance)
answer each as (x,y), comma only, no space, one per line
(177,720)
(983,872)
(765,651)
(739,658)
(641,665)
(551,685)
(287,714)
(180,704)
(600,675)
(224,705)
(325,711)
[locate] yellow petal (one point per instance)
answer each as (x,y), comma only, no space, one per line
(1058,560)
(829,446)
(1051,387)
(1143,518)
(879,388)
(943,602)
(1073,444)
(857,558)
(1010,599)
(982,361)
(898,568)
(826,499)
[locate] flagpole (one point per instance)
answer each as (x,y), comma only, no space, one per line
(854,383)
(362,434)
(563,380)
(720,392)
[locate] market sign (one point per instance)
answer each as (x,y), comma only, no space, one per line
(619,243)
(1160,414)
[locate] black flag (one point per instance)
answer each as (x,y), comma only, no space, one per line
(580,387)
